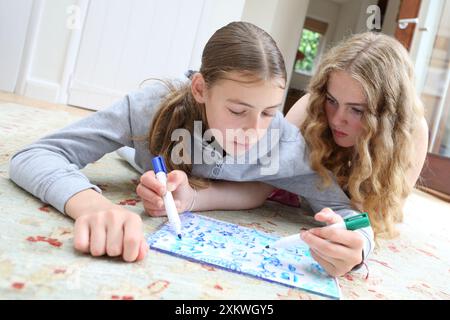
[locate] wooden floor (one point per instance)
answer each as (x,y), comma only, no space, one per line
(14,98)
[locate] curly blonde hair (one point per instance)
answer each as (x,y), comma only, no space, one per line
(376,179)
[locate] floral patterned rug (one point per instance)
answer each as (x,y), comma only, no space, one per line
(38,261)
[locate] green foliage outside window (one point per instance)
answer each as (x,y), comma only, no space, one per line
(309,46)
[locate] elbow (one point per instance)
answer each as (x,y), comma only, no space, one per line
(15,166)
(260,197)
(256,204)
(20,165)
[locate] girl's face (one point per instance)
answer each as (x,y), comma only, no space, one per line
(238,112)
(344,107)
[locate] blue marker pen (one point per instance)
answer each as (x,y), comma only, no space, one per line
(169,203)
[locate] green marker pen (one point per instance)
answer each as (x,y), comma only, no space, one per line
(353,223)
(350,223)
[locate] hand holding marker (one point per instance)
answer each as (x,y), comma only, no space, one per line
(169,203)
(350,223)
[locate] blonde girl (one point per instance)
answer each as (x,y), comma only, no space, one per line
(363,121)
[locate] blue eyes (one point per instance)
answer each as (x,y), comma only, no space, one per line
(334,103)
(357,111)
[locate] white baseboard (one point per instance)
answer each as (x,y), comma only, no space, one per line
(92,97)
(42,90)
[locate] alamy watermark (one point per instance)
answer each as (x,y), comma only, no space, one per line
(250,147)
(373,22)
(74,18)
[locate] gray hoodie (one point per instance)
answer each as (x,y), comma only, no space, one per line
(50,167)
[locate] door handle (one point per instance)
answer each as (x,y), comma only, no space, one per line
(403,24)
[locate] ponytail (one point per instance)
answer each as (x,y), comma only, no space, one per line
(178,110)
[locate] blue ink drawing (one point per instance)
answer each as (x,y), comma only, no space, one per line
(242,250)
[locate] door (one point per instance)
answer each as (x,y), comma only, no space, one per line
(126,42)
(433,71)
(409,9)
(14,17)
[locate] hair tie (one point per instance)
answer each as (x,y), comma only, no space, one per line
(189,74)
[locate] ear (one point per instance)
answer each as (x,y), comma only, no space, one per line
(198,87)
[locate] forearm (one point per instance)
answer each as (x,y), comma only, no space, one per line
(48,176)
(224,195)
(86,201)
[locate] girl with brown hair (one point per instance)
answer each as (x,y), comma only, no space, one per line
(363,125)
(239,88)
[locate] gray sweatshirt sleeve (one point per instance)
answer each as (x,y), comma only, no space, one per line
(333,197)
(281,159)
(49,168)
(308,186)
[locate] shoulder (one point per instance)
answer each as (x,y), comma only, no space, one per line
(148,95)
(420,137)
(143,105)
(418,155)
(286,132)
(422,130)
(297,113)
(145,101)
(291,123)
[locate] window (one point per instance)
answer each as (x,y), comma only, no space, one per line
(310,44)
(307,51)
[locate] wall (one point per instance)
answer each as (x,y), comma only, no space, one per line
(44,73)
(322,10)
(344,18)
(361,21)
(260,12)
(217,13)
(283,20)
(352,18)
(153,39)
(390,18)
(14,17)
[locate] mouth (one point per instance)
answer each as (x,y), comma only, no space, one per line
(339,134)
(245,146)
(245,143)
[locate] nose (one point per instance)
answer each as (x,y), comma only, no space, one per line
(339,117)
(253,123)
(252,128)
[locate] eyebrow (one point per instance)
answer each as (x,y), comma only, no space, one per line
(356,104)
(237,101)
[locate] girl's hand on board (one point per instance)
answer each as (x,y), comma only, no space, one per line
(151,192)
(337,251)
(114,232)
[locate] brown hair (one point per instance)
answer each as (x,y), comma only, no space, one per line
(237,47)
